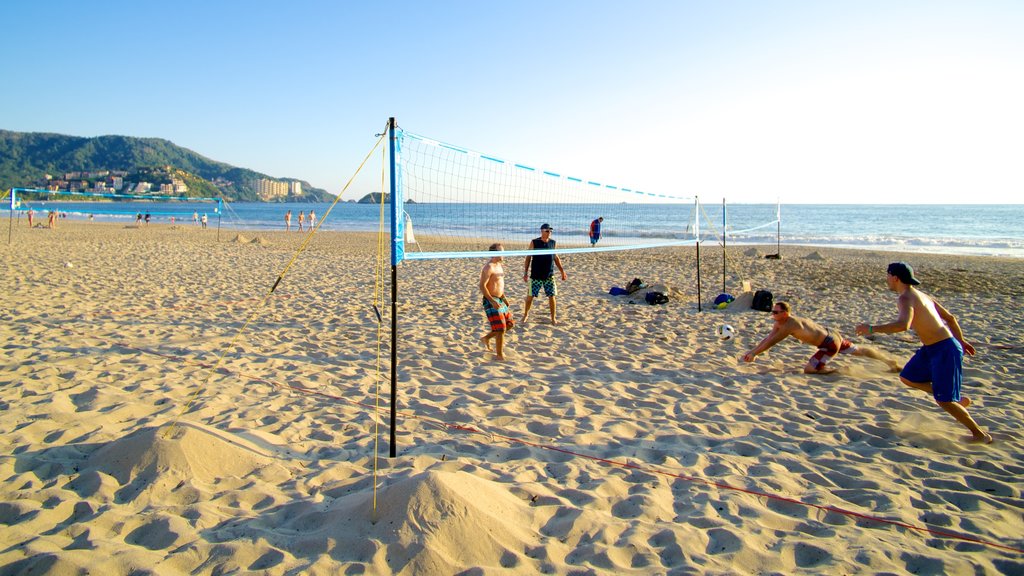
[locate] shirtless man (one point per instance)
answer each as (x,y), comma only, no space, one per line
(937,367)
(828,342)
(492,286)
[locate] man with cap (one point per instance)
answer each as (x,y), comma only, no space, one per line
(937,367)
(539,271)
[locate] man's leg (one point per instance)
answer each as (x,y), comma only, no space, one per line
(551,305)
(526,307)
(922,386)
(499,346)
(956,410)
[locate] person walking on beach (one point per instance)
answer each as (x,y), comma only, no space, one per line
(302,219)
(499,315)
(312,219)
(204,220)
(195,217)
(539,271)
(31,214)
(51,219)
(288,221)
(829,342)
(937,367)
(595,230)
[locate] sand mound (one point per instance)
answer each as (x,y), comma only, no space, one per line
(239,239)
(814,256)
(753,252)
(190,452)
(433,522)
(260,240)
(435,513)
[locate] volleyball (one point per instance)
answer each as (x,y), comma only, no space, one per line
(725,332)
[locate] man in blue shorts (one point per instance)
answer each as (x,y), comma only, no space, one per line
(539,271)
(937,367)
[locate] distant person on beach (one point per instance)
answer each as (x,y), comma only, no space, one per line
(302,219)
(204,220)
(31,215)
(539,271)
(288,221)
(937,367)
(147,217)
(312,219)
(828,341)
(499,315)
(195,217)
(595,230)
(51,219)
(138,218)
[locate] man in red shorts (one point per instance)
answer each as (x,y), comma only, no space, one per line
(499,317)
(828,342)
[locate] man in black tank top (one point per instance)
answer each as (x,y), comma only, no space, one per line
(539,271)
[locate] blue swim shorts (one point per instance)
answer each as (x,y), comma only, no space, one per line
(942,365)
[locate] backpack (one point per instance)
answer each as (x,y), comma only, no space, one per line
(656,298)
(763,301)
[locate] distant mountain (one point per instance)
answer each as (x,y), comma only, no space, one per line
(377,198)
(27,157)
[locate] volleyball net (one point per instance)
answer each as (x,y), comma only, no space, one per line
(448,201)
(113,204)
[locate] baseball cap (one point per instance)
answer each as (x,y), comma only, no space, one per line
(903,272)
(546,226)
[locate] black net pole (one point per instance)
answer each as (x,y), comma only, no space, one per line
(393,450)
(723,245)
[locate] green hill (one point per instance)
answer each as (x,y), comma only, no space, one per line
(26,157)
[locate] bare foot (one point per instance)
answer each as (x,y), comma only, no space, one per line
(985,438)
(499,358)
(524,319)
(894,367)
(964,401)
(487,342)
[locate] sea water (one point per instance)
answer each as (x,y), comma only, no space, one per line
(994,230)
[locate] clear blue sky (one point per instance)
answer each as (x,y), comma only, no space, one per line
(846,101)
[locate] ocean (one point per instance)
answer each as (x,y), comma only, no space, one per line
(992,230)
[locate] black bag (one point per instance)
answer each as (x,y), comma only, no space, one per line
(656,298)
(763,301)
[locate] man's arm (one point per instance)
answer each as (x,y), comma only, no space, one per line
(954,327)
(558,263)
(774,337)
(485,277)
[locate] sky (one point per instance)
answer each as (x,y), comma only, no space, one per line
(873,101)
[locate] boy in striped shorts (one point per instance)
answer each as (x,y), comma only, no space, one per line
(499,317)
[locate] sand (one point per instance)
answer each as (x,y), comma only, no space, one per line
(627,439)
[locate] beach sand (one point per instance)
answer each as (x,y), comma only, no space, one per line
(627,439)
